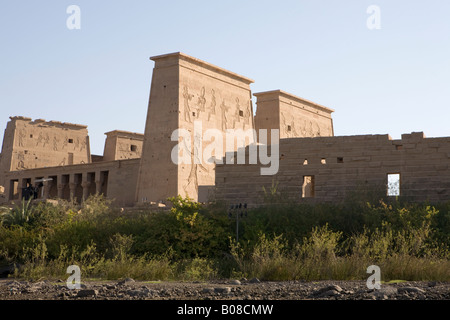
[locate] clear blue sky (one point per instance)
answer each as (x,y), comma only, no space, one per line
(393,80)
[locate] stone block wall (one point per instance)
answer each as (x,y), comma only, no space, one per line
(328,169)
(114,179)
(292,116)
(31,144)
(192,96)
(120,145)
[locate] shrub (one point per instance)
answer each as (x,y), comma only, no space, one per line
(19,215)
(280,241)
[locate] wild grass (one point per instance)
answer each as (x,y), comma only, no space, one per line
(195,243)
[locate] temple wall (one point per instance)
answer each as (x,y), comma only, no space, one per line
(328,169)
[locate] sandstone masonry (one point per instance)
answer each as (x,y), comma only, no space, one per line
(193,97)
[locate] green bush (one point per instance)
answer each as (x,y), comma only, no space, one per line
(279,241)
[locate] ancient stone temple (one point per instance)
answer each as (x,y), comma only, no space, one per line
(203,140)
(55,157)
(192,96)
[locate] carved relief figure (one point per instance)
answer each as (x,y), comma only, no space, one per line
(201,102)
(77,143)
(21,161)
(290,128)
(123,148)
(237,116)
(212,106)
(224,110)
(284,124)
(192,179)
(303,129)
(293,129)
(248,113)
(65,142)
(187,109)
(21,134)
(310,131)
(55,143)
(46,140)
(83,145)
(39,139)
(316,129)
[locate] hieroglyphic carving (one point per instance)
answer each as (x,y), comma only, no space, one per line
(20,161)
(201,102)
(65,141)
(224,110)
(284,125)
(312,129)
(248,114)
(237,115)
(123,147)
(83,145)
(316,129)
(21,135)
(55,143)
(39,139)
(192,179)
(46,140)
(293,132)
(212,106)
(308,128)
(303,131)
(187,109)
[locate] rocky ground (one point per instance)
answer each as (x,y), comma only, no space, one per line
(243,289)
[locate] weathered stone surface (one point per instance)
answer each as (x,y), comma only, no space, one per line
(194,95)
(410,290)
(254,280)
(125,281)
(83,293)
(223,290)
(328,291)
(331,174)
(385,291)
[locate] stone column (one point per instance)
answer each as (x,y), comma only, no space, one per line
(61,190)
(72,187)
(98,186)
(47,186)
(85,185)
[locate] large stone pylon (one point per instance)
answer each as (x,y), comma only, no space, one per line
(194,97)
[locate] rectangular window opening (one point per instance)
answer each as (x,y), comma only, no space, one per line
(70,140)
(308,187)
(393,184)
(305,162)
(241,113)
(289,128)
(323,161)
(340,160)
(133,148)
(14,189)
